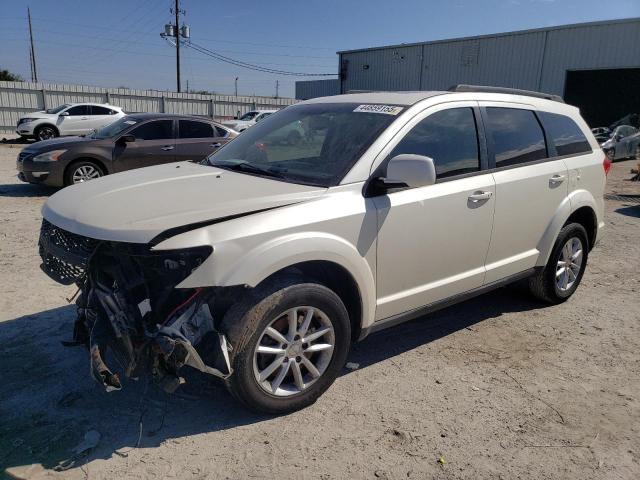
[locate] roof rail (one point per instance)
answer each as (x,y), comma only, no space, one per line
(512,91)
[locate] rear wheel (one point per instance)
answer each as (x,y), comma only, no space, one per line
(638,153)
(45,132)
(610,153)
(290,339)
(82,171)
(565,268)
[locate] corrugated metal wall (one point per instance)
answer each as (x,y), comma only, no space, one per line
(307,89)
(18,98)
(533,59)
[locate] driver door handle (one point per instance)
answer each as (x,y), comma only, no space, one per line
(215,145)
(480,196)
(556,179)
(167,148)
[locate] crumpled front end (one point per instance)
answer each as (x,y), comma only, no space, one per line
(129,311)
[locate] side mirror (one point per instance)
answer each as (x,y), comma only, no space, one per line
(64,114)
(410,170)
(127,139)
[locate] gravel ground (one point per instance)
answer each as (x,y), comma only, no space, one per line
(497,387)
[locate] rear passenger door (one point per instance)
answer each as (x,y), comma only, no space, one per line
(197,139)
(154,144)
(101,116)
(531,184)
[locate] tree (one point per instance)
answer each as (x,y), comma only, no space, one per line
(7,76)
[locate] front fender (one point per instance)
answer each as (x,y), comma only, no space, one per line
(231,264)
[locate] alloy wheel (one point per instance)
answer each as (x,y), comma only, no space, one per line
(46,133)
(293,351)
(569,264)
(84,173)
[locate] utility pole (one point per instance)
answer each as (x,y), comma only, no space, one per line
(236,89)
(277,86)
(34,76)
(178,44)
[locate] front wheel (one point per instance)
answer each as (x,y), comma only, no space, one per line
(45,132)
(289,341)
(565,267)
(81,172)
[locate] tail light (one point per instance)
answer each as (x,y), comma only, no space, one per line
(606,164)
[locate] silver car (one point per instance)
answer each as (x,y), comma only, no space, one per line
(262,264)
(623,143)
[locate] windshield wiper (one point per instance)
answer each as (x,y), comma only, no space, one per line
(250,168)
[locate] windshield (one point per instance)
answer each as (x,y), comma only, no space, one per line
(58,109)
(115,128)
(312,144)
(249,116)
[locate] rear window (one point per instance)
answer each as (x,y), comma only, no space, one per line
(565,134)
(517,136)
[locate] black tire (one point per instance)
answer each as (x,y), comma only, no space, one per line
(543,285)
(610,153)
(75,167)
(245,323)
(45,132)
(637,156)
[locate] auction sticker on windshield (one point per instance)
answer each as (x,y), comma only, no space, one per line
(386,109)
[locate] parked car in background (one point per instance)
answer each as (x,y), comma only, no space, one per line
(134,141)
(624,142)
(602,134)
(264,263)
(67,119)
(248,119)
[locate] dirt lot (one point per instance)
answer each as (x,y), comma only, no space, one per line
(498,387)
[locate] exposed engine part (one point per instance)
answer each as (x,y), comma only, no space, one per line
(129,308)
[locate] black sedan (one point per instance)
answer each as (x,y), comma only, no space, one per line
(134,141)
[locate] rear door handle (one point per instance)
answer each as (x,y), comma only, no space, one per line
(556,179)
(167,147)
(215,145)
(480,196)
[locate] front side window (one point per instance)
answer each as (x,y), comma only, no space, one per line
(517,136)
(115,128)
(315,144)
(156,130)
(79,110)
(58,109)
(192,129)
(449,137)
(565,134)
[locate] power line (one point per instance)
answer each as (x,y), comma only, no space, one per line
(251,66)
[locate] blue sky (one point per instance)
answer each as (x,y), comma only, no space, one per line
(117,42)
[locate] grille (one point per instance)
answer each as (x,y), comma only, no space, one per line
(64,254)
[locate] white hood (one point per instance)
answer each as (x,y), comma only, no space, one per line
(40,114)
(137,205)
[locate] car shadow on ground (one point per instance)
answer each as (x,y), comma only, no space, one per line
(48,400)
(630,210)
(16,190)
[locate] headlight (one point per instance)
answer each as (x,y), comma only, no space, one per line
(51,156)
(25,120)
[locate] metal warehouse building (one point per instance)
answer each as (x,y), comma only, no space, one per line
(595,66)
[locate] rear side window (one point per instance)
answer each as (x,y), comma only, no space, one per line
(517,136)
(78,110)
(449,137)
(191,129)
(156,130)
(565,134)
(95,110)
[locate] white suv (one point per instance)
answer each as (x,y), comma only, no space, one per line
(262,264)
(248,119)
(67,119)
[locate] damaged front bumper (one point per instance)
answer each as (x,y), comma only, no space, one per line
(128,306)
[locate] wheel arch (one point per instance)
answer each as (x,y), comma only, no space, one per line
(46,124)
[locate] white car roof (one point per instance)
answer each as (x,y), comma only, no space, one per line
(115,107)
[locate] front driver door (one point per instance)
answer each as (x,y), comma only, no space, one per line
(76,122)
(433,240)
(154,145)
